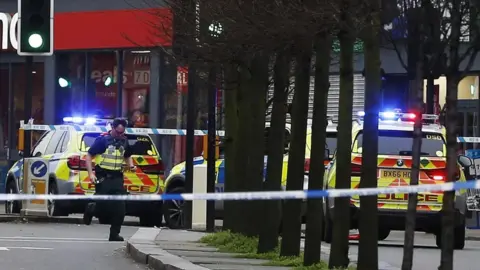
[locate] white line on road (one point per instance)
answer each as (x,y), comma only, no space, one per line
(50,238)
(27,248)
(59,241)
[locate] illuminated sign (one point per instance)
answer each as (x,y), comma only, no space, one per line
(9,30)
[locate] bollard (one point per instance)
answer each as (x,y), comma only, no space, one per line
(199,207)
(35,171)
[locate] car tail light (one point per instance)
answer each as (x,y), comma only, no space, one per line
(440,174)
(306,166)
(75,162)
(157,169)
(356,169)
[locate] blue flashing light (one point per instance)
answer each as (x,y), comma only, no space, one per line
(80,120)
(90,121)
(388,115)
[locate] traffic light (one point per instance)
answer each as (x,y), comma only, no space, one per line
(108,81)
(35,27)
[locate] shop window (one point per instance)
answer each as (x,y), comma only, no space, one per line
(71,93)
(136,88)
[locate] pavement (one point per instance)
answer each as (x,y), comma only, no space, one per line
(177,249)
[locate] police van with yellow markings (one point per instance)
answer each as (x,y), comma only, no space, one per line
(175,180)
(395,141)
(66,152)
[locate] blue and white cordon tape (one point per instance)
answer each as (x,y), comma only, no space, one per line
(155,131)
(263,195)
(97,128)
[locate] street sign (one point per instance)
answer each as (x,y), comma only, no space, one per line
(39,168)
(35,182)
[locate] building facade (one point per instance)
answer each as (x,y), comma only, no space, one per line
(94,40)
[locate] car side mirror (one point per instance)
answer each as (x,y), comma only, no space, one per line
(38,154)
(465,161)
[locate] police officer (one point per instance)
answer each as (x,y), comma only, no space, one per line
(109,151)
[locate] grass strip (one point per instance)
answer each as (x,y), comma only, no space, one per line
(226,241)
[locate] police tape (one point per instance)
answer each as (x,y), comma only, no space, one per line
(260,195)
(96,128)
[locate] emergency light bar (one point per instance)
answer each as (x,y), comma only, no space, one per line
(85,120)
(399,116)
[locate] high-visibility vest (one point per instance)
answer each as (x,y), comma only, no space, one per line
(112,158)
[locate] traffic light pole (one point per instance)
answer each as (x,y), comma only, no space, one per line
(28,103)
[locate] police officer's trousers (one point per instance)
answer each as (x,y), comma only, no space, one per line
(114,211)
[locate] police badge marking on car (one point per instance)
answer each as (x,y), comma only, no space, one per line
(399,162)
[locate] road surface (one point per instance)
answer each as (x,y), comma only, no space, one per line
(40,246)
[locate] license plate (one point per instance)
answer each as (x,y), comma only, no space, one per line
(395,174)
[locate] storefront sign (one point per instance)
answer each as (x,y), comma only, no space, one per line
(9,30)
(182,79)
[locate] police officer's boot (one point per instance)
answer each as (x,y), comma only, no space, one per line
(115,231)
(89,213)
(115,238)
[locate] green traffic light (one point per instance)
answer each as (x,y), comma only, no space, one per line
(35,41)
(63,82)
(108,81)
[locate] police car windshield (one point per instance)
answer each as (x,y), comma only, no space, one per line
(141,145)
(393,142)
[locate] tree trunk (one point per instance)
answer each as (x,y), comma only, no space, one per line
(448,219)
(268,239)
(368,226)
(257,93)
(341,218)
(453,78)
(296,159)
(314,228)
(231,124)
(417,103)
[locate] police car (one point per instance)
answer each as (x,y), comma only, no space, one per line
(394,167)
(66,152)
(175,180)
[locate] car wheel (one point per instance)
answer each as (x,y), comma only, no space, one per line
(383,233)
(173,211)
(52,206)
(153,218)
(458,238)
(12,206)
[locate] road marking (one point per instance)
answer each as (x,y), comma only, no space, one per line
(26,248)
(51,238)
(60,241)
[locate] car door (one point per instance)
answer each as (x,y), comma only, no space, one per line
(53,152)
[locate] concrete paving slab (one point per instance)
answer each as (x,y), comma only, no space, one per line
(167,261)
(189,247)
(190,253)
(233,261)
(179,235)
